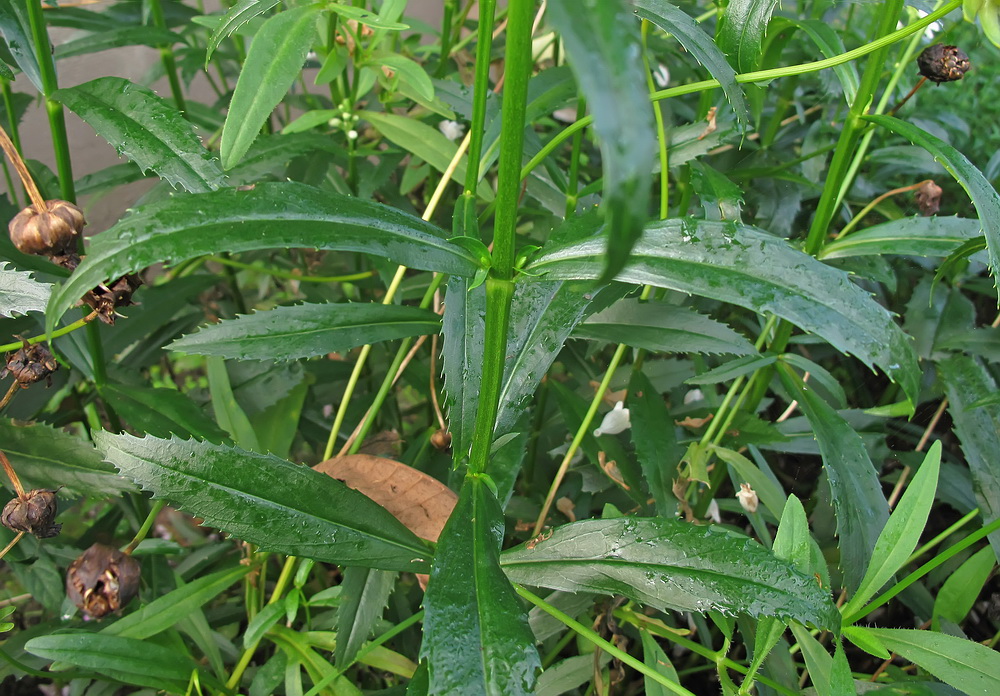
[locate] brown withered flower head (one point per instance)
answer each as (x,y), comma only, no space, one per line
(102,580)
(48,233)
(928,198)
(30,364)
(941,63)
(104,299)
(441,439)
(34,512)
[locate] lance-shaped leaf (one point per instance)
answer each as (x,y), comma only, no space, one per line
(238,15)
(20,293)
(464,322)
(476,635)
(146,129)
(268,501)
(303,331)
(669,564)
(16,31)
(602,41)
(693,38)
(750,268)
(269,216)
(741,34)
(364,593)
(983,195)
(662,327)
(115,38)
(912,236)
(159,411)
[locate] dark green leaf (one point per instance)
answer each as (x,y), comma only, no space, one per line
(267,501)
(45,457)
(829,43)
(277,426)
(464,326)
(476,635)
(699,44)
(657,660)
(753,269)
(238,15)
(269,216)
(655,441)
(662,327)
(734,368)
(963,664)
(741,34)
(721,199)
(115,38)
(601,39)
(7,74)
(860,506)
(966,381)
(108,179)
(303,331)
(911,236)
(17,32)
(363,596)
(20,293)
(983,195)
(160,412)
(984,342)
(669,564)
(273,62)
(228,413)
(146,129)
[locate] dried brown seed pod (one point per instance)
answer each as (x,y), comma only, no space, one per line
(34,512)
(104,299)
(30,364)
(928,198)
(441,439)
(941,63)
(47,233)
(102,580)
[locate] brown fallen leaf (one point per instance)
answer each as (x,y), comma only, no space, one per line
(419,501)
(712,125)
(690,422)
(565,506)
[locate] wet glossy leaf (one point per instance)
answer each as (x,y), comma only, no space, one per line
(966,381)
(601,39)
(238,15)
(476,635)
(267,501)
(980,190)
(698,43)
(655,441)
(963,664)
(46,457)
(146,129)
(741,34)
(266,217)
(307,330)
(17,33)
(662,327)
(753,269)
(273,62)
(464,326)
(912,236)
(20,293)
(363,596)
(669,564)
(160,412)
(721,199)
(115,38)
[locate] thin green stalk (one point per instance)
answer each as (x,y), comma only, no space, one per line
(500,286)
(8,103)
(146,525)
(167,57)
(942,536)
(590,635)
(446,36)
(573,178)
(661,134)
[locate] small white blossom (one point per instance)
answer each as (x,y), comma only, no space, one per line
(748,498)
(615,421)
(453,130)
(335,122)
(712,512)
(694,395)
(352,135)
(661,76)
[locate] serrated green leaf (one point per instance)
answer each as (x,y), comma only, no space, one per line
(601,39)
(160,412)
(971,668)
(741,34)
(46,457)
(699,44)
(20,293)
(983,342)
(464,327)
(116,38)
(861,508)
(267,501)
(980,190)
(721,199)
(238,15)
(16,31)
(307,330)
(476,635)
(733,368)
(662,327)
(750,268)
(269,216)
(364,596)
(146,129)
(655,441)
(273,61)
(910,236)
(669,564)
(966,381)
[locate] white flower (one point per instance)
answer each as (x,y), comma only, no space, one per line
(615,421)
(352,135)
(748,498)
(661,76)
(694,395)
(453,130)
(334,122)
(712,512)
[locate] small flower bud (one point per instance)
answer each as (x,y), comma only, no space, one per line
(352,135)
(615,421)
(33,513)
(51,232)
(30,364)
(748,498)
(441,440)
(453,130)
(941,63)
(102,580)
(928,198)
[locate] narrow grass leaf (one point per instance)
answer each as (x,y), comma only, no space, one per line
(238,15)
(734,368)
(115,38)
(228,413)
(601,38)
(273,62)
(963,664)
(268,501)
(476,635)
(655,441)
(20,293)
(909,236)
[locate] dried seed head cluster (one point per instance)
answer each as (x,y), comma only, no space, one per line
(104,299)
(30,364)
(941,63)
(928,198)
(34,513)
(441,439)
(49,232)
(102,580)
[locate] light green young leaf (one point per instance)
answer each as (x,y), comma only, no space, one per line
(367,17)
(228,413)
(963,664)
(238,15)
(410,72)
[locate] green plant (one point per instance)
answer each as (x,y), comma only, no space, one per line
(572,355)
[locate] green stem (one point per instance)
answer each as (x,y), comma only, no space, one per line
(446,33)
(573,179)
(146,525)
(167,56)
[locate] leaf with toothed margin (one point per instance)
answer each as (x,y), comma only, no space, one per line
(750,268)
(20,293)
(669,564)
(307,330)
(269,216)
(268,501)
